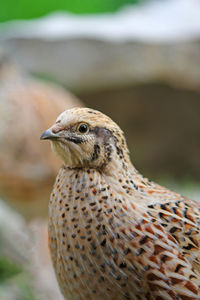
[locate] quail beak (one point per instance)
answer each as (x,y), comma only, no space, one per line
(49,135)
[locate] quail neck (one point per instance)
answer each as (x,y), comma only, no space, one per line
(113,233)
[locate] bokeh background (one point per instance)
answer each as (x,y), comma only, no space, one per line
(137,61)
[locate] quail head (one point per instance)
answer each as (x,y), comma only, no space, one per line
(114,234)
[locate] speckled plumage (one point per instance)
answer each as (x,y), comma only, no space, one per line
(113,233)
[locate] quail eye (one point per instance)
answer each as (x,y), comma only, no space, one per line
(83,128)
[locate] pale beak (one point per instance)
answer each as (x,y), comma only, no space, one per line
(49,135)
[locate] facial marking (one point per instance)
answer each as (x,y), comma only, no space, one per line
(96,152)
(102,132)
(75,139)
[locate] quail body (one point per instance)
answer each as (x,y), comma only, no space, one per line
(114,234)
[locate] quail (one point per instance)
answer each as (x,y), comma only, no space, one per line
(114,234)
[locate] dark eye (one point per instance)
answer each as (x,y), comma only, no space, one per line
(83,128)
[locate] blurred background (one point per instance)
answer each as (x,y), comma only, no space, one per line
(137,61)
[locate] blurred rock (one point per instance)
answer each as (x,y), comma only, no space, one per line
(14,238)
(27,166)
(45,284)
(26,246)
(14,253)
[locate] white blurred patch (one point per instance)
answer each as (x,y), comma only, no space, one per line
(158,21)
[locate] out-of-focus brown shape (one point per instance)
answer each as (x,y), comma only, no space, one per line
(27,167)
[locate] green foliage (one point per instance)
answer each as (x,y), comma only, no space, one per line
(8,269)
(24,9)
(14,278)
(24,286)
